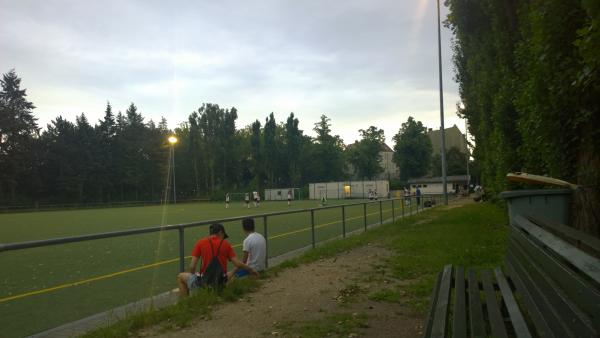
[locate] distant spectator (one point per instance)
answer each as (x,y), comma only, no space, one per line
(418,193)
(254,250)
(205,249)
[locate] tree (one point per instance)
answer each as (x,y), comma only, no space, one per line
(270,151)
(412,151)
(529,79)
(18,128)
(328,153)
(256,155)
(365,155)
(293,147)
(456,163)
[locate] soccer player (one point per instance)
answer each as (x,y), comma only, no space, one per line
(247,200)
(255,198)
(289,196)
(227,201)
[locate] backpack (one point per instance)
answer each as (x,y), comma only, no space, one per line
(213,276)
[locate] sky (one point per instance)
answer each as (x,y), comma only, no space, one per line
(361,63)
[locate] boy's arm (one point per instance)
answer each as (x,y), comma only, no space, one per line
(193,264)
(241,265)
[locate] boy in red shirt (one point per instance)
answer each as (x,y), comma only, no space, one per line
(204,249)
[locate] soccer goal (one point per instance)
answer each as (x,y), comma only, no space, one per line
(238,196)
(282,194)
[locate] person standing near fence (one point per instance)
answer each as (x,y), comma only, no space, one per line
(254,250)
(247,200)
(418,193)
(289,197)
(227,201)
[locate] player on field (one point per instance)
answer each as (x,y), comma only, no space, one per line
(289,197)
(255,198)
(247,200)
(227,201)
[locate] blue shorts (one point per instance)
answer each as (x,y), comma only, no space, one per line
(242,273)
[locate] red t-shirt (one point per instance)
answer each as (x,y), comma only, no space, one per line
(203,250)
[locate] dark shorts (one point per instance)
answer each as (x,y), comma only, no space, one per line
(242,273)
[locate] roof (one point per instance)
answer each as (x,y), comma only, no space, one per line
(457,178)
(385,148)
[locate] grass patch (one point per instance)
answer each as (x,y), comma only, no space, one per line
(387,295)
(335,325)
(472,236)
(179,315)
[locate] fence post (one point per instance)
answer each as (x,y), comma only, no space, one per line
(343,221)
(380,213)
(312,226)
(181,251)
(393,212)
(266,241)
(365,214)
(402,205)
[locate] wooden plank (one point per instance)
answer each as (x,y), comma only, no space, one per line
(493,308)
(576,289)
(588,265)
(561,314)
(543,330)
(571,233)
(441,308)
(432,303)
(459,326)
(516,318)
(475,311)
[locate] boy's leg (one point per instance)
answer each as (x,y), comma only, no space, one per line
(182,280)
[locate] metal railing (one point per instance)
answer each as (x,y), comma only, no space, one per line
(414,205)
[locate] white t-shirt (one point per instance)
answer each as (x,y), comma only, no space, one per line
(256,246)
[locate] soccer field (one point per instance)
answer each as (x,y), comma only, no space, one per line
(45,287)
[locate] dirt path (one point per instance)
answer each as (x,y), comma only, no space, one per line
(331,294)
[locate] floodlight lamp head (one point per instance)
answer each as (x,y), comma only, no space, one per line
(172,140)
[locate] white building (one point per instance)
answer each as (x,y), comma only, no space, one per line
(348,189)
(434,185)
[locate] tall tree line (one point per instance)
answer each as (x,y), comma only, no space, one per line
(124,157)
(529,76)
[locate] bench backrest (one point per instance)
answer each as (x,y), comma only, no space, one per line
(558,284)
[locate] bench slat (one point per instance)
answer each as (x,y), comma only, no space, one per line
(571,233)
(577,290)
(441,308)
(516,318)
(561,314)
(587,264)
(459,326)
(493,308)
(534,312)
(475,311)
(432,304)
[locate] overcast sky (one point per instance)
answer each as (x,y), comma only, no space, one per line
(362,63)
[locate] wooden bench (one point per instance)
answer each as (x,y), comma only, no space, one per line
(549,287)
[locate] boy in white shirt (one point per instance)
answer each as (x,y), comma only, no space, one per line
(247,200)
(254,250)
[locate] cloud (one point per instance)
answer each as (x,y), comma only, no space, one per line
(359,62)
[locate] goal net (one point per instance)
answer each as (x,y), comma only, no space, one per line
(282,194)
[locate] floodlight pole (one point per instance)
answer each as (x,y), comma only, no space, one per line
(173,166)
(172,141)
(442,133)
